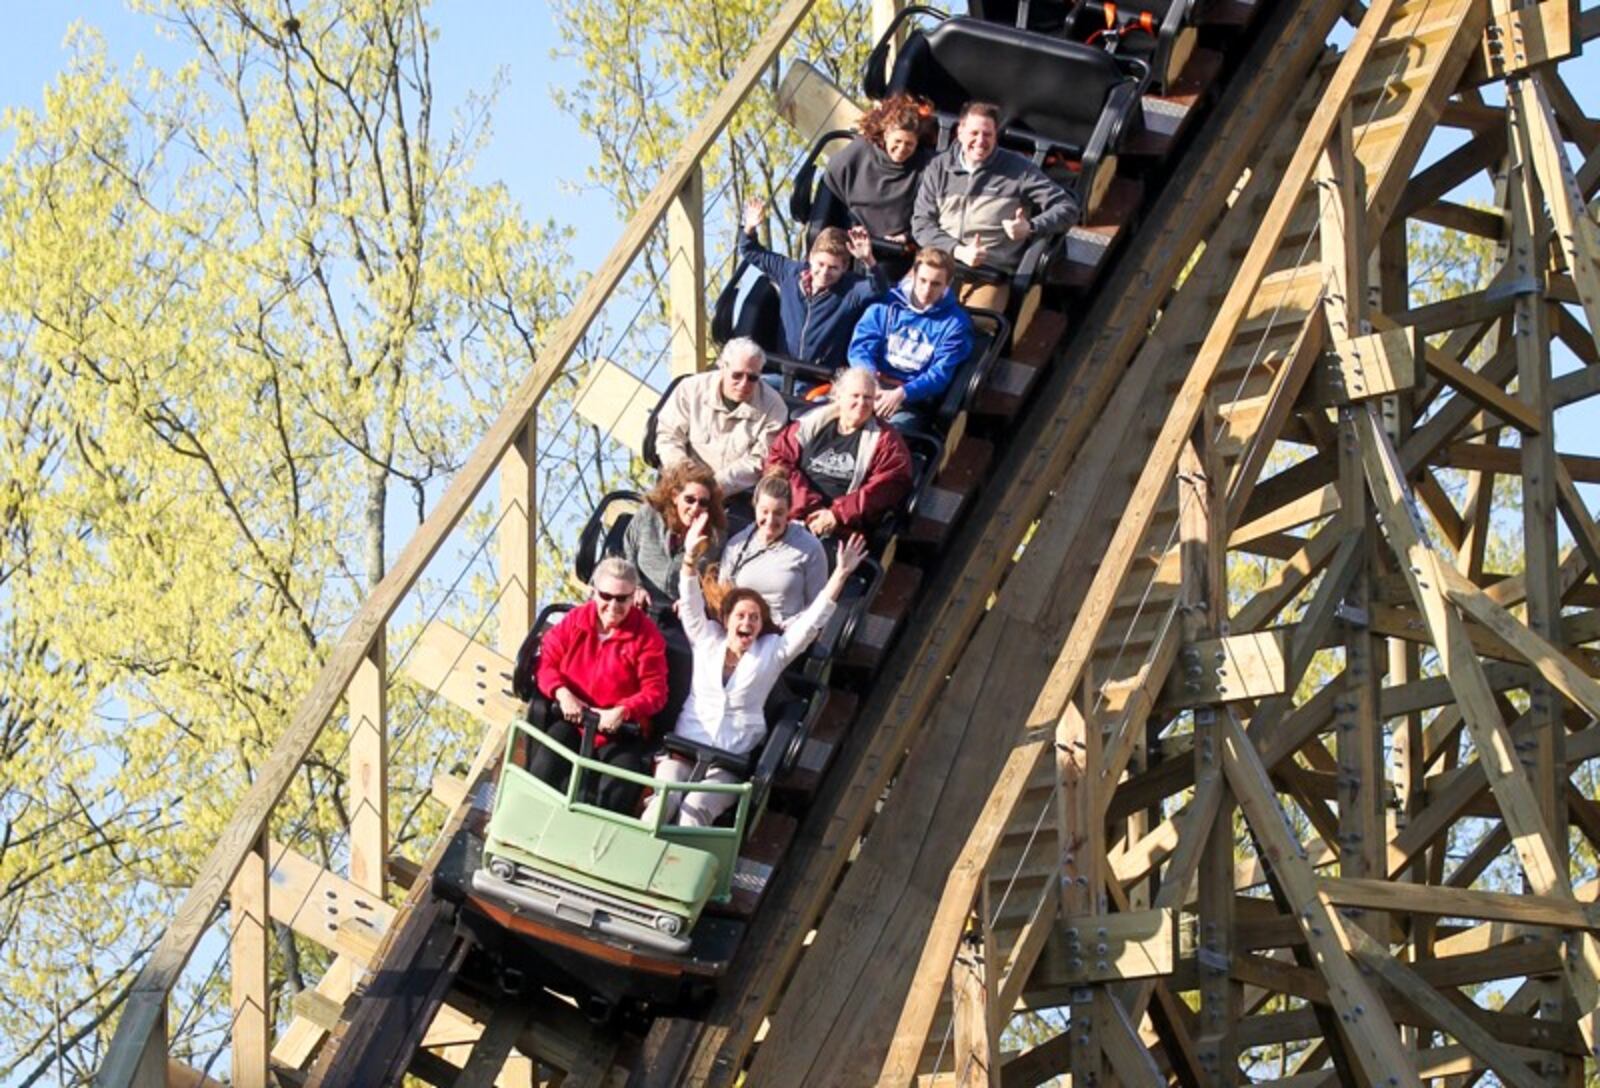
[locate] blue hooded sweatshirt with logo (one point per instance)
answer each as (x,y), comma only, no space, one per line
(920,349)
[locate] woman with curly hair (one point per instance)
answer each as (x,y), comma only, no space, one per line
(653,541)
(875,176)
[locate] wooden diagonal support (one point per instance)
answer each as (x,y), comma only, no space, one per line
(1374,1042)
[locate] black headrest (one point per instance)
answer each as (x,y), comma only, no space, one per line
(748,311)
(1044,15)
(1045,87)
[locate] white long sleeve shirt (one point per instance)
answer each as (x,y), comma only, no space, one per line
(732,715)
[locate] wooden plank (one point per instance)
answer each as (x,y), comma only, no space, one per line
(463,671)
(616,403)
(517,557)
(249,979)
(1110,947)
(369,771)
(812,103)
(1530,910)
(1250,665)
(686,280)
(493,1048)
(160,972)
(1373,364)
(1523,38)
(313,901)
(976,1043)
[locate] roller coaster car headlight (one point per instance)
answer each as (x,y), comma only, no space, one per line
(669,924)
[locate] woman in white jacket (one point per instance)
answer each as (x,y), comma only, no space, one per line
(736,664)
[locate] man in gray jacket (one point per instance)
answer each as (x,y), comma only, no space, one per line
(725,418)
(984,203)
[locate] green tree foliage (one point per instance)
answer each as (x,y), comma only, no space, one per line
(254,310)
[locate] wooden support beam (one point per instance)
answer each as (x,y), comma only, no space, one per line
(1469,382)
(686,276)
(1507,1063)
(1533,910)
(1521,39)
(1374,1042)
(515,541)
(492,1049)
(1577,236)
(1246,666)
(369,771)
(975,1040)
(1080,829)
(248,963)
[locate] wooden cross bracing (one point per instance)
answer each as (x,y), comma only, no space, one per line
(1319,420)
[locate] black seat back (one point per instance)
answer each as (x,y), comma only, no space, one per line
(525,673)
(751,311)
(652,423)
(602,533)
(1049,91)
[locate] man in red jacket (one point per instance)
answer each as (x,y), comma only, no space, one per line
(846,467)
(609,658)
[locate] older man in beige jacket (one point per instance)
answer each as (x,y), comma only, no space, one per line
(725,418)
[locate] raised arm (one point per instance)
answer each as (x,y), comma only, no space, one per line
(691,601)
(809,624)
(775,266)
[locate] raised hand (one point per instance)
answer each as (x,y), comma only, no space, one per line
(694,538)
(1018,227)
(852,551)
(861,245)
(755,213)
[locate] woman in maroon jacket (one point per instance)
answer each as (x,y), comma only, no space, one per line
(607,657)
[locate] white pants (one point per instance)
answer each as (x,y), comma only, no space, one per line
(697,809)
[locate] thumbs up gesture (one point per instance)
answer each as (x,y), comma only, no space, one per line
(1018,227)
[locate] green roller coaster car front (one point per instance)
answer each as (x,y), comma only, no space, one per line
(641,881)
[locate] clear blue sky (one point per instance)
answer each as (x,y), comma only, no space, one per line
(534,148)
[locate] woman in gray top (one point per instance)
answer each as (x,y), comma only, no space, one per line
(653,541)
(778,558)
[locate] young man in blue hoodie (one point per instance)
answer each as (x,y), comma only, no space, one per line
(914,340)
(819,298)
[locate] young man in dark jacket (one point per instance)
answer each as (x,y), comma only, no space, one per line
(819,298)
(984,203)
(914,340)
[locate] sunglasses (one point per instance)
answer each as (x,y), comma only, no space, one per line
(613,598)
(740,376)
(695,500)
